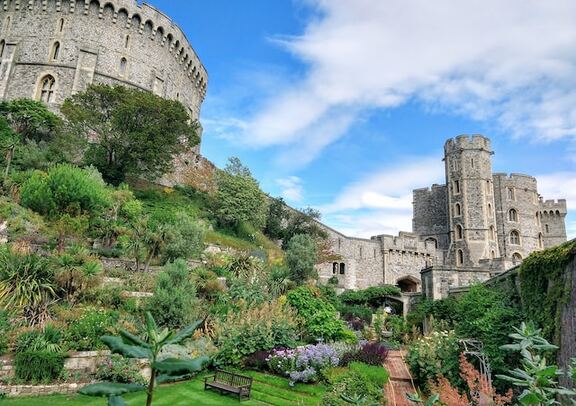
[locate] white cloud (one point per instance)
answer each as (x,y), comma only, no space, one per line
(509,61)
(292,189)
(381,203)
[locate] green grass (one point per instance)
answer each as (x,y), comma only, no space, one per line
(266,390)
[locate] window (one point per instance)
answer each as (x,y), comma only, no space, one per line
(547,228)
(492,233)
(540,241)
(459,232)
(538,219)
(510,193)
(342,268)
(7,24)
(512,215)
(123,64)
(488,187)
(456,186)
(360,252)
(61,25)
(459,257)
(432,241)
(457,209)
(514,237)
(489,210)
(55,51)
(516,257)
(2,46)
(334,268)
(493,254)
(47,89)
(127,41)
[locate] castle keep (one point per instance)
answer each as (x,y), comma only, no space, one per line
(476,225)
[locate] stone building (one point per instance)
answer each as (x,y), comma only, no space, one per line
(51,49)
(476,225)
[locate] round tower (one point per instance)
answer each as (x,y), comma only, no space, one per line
(472,220)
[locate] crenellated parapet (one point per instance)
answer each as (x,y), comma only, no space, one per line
(553,207)
(467,142)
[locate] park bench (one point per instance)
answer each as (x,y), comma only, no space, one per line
(230,382)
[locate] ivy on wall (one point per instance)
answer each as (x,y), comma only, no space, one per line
(545,287)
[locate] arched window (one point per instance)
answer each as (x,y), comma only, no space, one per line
(342,268)
(510,193)
(493,254)
(334,268)
(55,51)
(459,257)
(6,24)
(540,240)
(127,41)
(47,89)
(547,228)
(490,210)
(512,215)
(488,187)
(123,64)
(61,25)
(457,209)
(515,237)
(360,252)
(2,46)
(516,257)
(492,233)
(456,186)
(459,232)
(432,241)
(538,218)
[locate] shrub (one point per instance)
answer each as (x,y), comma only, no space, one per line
(119,370)
(38,366)
(174,297)
(301,257)
(186,238)
(374,296)
(319,317)
(49,339)
(4,332)
(433,355)
(371,353)
(242,333)
(375,374)
(355,387)
(303,364)
(84,333)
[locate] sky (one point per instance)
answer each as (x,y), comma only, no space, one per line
(345,105)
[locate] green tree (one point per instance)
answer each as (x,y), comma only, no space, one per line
(301,257)
(162,370)
(303,222)
(277,215)
(239,198)
(131,132)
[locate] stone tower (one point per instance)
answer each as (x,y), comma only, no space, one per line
(471,215)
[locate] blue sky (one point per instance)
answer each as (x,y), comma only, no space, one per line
(345,105)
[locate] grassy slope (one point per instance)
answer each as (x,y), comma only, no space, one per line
(266,390)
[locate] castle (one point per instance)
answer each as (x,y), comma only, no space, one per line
(475,226)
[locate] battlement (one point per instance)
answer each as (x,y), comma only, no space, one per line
(406,241)
(518,180)
(127,14)
(553,207)
(463,142)
(425,191)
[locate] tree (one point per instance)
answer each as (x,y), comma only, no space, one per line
(131,132)
(23,122)
(303,222)
(277,216)
(239,198)
(301,258)
(162,370)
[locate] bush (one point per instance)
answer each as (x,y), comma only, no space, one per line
(355,387)
(433,355)
(318,316)
(38,366)
(84,333)
(303,364)
(374,296)
(119,370)
(5,328)
(375,374)
(49,339)
(371,353)
(242,333)
(186,238)
(174,297)
(301,257)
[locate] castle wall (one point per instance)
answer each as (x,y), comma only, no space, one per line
(114,42)
(553,221)
(430,218)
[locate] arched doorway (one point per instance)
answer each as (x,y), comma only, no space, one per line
(408,284)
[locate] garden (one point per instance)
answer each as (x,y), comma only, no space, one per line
(116,290)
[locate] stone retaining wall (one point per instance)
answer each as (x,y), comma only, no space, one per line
(37,390)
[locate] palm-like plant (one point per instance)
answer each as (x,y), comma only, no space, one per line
(162,370)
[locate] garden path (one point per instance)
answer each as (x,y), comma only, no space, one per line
(400,382)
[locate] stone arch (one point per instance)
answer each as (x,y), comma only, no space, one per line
(185,60)
(457,210)
(149,28)
(176,47)
(517,257)
(60,25)
(558,213)
(122,18)
(55,51)
(459,232)
(513,215)
(459,257)
(514,237)
(160,35)
(135,22)
(94,8)
(490,210)
(493,254)
(108,12)
(122,69)
(432,240)
(169,41)
(408,284)
(46,88)
(492,233)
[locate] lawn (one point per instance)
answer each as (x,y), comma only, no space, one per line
(266,390)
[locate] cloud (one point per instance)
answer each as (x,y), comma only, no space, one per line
(511,62)
(292,189)
(381,203)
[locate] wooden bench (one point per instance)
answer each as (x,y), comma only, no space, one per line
(224,381)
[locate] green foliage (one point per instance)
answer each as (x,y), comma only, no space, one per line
(84,333)
(239,198)
(186,239)
(162,370)
(132,132)
(38,366)
(484,314)
(174,297)
(544,288)
(433,355)
(305,222)
(374,296)
(48,339)
(537,379)
(76,270)
(251,329)
(375,374)
(301,257)
(5,327)
(277,214)
(319,319)
(353,387)
(64,189)
(119,370)
(26,283)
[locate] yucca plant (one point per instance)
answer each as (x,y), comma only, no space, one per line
(162,370)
